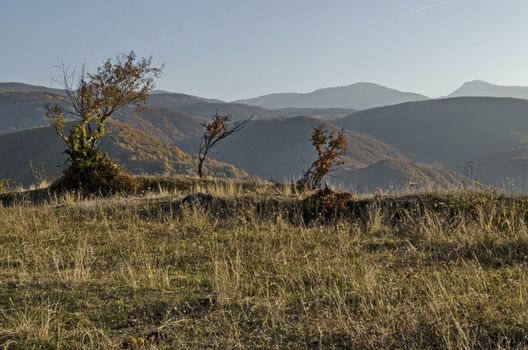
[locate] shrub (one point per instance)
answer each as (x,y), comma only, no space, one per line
(94,174)
(324,205)
(331,147)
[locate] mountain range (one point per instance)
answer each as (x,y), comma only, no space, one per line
(423,141)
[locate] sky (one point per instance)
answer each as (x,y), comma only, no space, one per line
(233,49)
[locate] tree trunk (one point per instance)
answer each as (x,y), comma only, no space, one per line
(200,167)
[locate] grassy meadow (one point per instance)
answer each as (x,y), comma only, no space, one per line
(447,272)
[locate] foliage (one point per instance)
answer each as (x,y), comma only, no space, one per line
(324,205)
(8,185)
(215,131)
(121,81)
(331,147)
(96,173)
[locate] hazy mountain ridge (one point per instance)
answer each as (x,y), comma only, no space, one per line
(355,96)
(175,99)
(485,89)
(324,113)
(22,106)
(451,131)
(237,111)
(22,110)
(493,132)
(28,88)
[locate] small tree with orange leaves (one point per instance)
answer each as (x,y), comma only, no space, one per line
(331,147)
(215,131)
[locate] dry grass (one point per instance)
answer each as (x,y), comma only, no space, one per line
(100,274)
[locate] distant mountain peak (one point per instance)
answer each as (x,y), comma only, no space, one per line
(476,83)
(485,89)
(361,95)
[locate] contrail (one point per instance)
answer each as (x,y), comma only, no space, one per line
(431,6)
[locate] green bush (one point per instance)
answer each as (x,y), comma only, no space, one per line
(96,174)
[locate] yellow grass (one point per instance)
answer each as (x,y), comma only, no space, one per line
(103,274)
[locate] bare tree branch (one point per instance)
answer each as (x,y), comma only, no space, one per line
(216,131)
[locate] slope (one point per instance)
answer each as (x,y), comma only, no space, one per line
(280,148)
(451,131)
(29,154)
(21,110)
(400,174)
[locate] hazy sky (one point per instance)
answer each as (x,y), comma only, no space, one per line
(233,49)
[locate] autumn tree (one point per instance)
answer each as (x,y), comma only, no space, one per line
(215,131)
(331,148)
(92,98)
